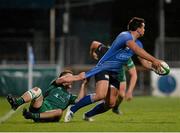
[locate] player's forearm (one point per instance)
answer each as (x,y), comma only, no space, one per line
(78,77)
(51,114)
(143,54)
(83,90)
(132,83)
(70,78)
(145,63)
(42,116)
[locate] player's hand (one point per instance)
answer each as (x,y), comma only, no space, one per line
(128,96)
(27,114)
(156,64)
(85,82)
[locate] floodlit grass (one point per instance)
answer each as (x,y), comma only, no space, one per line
(4,106)
(143,114)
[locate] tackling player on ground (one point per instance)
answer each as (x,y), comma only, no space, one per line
(50,107)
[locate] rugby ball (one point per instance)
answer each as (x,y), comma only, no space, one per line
(165,69)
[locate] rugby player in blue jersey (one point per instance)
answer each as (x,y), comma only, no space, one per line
(123,47)
(97,50)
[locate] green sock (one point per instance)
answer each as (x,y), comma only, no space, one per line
(20,101)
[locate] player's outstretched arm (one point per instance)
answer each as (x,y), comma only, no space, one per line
(51,114)
(83,89)
(143,54)
(70,78)
(44,115)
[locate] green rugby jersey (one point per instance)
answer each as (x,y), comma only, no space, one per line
(122,72)
(58,97)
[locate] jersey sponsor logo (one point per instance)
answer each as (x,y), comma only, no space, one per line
(56,95)
(59,97)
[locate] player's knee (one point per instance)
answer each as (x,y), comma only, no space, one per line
(112,103)
(98,97)
(35,92)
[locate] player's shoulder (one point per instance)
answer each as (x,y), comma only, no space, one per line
(139,43)
(125,35)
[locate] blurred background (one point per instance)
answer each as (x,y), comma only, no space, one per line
(39,38)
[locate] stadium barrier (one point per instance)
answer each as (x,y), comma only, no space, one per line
(14,79)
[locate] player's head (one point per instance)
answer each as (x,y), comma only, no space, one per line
(137,24)
(64,73)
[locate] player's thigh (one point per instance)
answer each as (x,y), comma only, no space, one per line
(37,103)
(102,84)
(102,88)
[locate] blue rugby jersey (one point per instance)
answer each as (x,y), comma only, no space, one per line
(116,56)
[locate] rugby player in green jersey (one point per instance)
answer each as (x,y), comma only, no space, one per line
(50,107)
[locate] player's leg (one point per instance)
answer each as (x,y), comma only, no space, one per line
(100,108)
(102,84)
(33,94)
(104,105)
(122,89)
(100,93)
(112,96)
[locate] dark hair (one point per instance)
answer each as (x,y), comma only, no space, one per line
(135,23)
(65,72)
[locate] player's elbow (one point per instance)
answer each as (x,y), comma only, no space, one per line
(95,44)
(58,112)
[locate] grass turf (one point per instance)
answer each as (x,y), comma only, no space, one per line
(143,114)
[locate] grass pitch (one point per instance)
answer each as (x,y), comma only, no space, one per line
(142,114)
